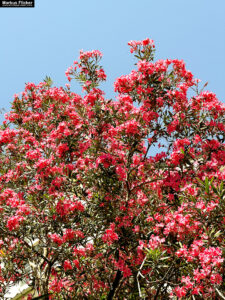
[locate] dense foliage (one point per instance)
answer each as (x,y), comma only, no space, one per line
(87,211)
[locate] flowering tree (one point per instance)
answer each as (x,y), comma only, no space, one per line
(88,212)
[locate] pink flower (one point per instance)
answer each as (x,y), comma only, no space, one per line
(131,127)
(120,171)
(110,235)
(62,149)
(216,279)
(197,139)
(90,54)
(67,265)
(69,235)
(122,266)
(187,281)
(134,45)
(180,292)
(57,285)
(14,222)
(101,74)
(56,239)
(106,159)
(33,154)
(42,163)
(155,242)
(146,42)
(76,263)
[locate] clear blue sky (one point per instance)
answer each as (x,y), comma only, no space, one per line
(45,40)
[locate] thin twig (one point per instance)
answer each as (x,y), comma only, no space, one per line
(220,294)
(139,274)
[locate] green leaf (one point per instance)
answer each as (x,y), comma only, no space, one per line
(207,185)
(48,81)
(211,181)
(217,234)
(221,186)
(182,150)
(200,181)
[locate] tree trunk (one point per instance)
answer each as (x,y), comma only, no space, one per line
(114,285)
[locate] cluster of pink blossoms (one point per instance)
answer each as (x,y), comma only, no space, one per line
(135,44)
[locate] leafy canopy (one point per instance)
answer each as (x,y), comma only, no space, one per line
(87,211)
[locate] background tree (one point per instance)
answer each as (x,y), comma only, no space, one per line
(87,213)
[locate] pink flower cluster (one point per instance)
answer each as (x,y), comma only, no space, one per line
(110,235)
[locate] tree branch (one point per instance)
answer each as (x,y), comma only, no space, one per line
(115,285)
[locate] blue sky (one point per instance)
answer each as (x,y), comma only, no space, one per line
(45,40)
